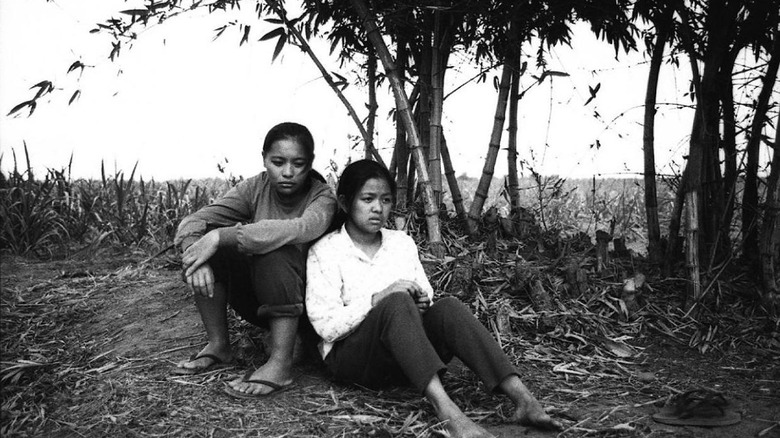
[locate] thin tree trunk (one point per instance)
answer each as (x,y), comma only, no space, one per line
(402,107)
(729,138)
(328,78)
(401,155)
(424,103)
(393,168)
(411,179)
(490,160)
(673,244)
(437,102)
(452,181)
(692,250)
(651,197)
(706,179)
(721,30)
(750,195)
(401,151)
(372,105)
(770,229)
(691,182)
(512,176)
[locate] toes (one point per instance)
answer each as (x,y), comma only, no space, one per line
(247,388)
(258,389)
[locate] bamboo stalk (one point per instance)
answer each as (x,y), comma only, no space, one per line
(403,108)
(648,139)
(372,105)
(452,181)
(490,160)
(328,79)
(770,230)
(750,205)
(401,150)
(693,169)
(692,244)
(437,102)
(423,108)
(512,176)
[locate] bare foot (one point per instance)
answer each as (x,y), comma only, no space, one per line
(224,353)
(271,371)
(462,427)
(530,413)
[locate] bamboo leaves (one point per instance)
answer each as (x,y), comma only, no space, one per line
(76,65)
(76,95)
(44,87)
(281,34)
(245,36)
(28,103)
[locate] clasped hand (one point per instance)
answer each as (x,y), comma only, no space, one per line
(405,286)
(199,275)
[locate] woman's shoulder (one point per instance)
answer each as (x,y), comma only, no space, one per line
(329,242)
(321,188)
(253,182)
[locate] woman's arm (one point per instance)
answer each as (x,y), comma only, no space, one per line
(331,317)
(230,209)
(267,235)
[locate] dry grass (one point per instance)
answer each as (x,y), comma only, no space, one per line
(87,343)
(87,348)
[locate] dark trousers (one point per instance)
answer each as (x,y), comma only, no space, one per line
(395,343)
(263,286)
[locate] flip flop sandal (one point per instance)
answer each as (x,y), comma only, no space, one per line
(216,364)
(275,388)
(697,407)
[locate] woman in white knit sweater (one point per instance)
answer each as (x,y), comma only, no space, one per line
(367,296)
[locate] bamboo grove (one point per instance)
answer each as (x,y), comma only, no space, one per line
(726,205)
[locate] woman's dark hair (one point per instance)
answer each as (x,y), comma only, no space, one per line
(290,131)
(353,178)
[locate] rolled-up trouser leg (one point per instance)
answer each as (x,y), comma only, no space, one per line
(390,343)
(278,281)
(454,331)
(263,286)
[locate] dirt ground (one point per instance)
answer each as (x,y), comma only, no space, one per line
(88,345)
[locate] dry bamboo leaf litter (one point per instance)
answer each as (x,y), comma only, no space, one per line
(594,341)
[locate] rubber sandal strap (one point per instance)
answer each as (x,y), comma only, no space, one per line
(272,385)
(214,358)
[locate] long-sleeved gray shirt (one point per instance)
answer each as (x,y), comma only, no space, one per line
(254,219)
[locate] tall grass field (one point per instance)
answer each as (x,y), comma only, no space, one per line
(54,215)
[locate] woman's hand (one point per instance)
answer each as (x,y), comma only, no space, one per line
(202,281)
(404,286)
(422,300)
(200,252)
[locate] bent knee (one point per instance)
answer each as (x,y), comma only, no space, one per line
(449,306)
(398,300)
(288,255)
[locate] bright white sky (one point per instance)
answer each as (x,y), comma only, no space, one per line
(183,102)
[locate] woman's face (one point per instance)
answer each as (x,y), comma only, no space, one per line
(287,166)
(371,207)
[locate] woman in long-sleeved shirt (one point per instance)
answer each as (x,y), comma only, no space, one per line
(249,248)
(367,296)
